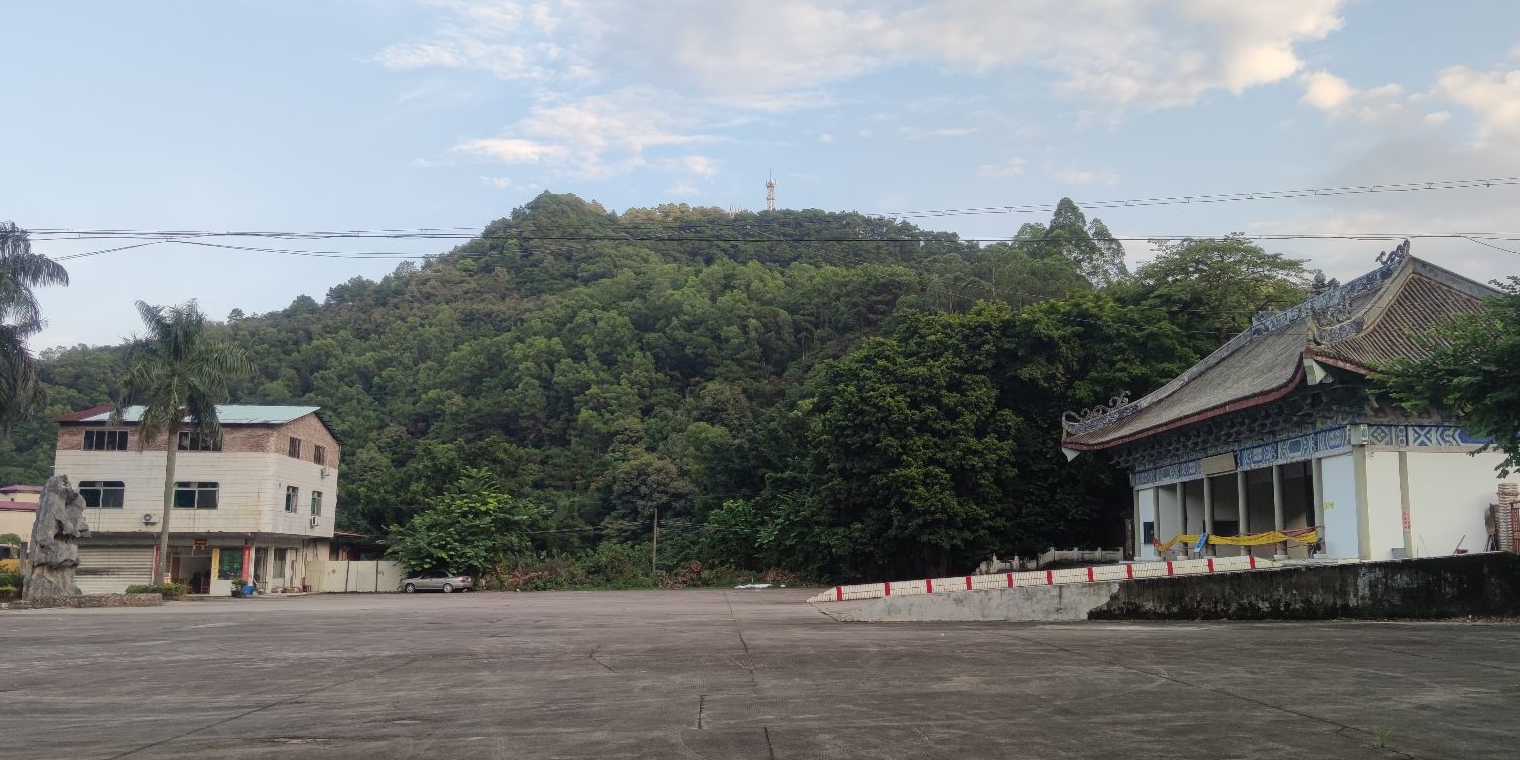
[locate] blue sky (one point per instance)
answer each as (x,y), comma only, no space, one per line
(322,115)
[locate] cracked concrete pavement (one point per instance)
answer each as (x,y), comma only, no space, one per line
(732,674)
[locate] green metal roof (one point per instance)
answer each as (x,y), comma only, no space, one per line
(230,414)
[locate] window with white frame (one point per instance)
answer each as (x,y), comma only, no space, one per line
(316,503)
(193,494)
(103,494)
(105,440)
(292,495)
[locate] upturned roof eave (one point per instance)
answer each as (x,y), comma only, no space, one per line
(1233,406)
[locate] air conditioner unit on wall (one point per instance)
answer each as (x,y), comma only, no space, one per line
(149,518)
(316,520)
(325,471)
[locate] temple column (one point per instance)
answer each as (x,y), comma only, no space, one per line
(1277,507)
(1244,514)
(1317,475)
(1181,491)
(1208,513)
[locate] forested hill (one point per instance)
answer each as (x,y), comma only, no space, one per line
(828,392)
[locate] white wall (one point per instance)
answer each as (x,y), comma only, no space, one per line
(1167,524)
(1448,495)
(1147,513)
(1339,493)
(251,490)
(1385,515)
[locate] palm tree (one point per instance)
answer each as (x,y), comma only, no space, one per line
(180,375)
(20,317)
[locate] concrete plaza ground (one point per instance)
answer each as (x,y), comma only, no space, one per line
(732,674)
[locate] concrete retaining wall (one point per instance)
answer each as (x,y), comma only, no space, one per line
(1435,587)
(88,600)
(1066,602)
(1482,585)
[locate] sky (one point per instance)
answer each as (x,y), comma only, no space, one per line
(401,114)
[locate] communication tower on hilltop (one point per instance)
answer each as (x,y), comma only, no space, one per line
(770,192)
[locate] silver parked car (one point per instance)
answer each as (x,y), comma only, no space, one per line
(438,580)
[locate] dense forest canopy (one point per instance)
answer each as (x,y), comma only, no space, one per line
(832,393)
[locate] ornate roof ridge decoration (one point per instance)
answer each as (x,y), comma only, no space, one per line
(1098,416)
(1332,302)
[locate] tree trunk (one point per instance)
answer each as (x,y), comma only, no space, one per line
(172,449)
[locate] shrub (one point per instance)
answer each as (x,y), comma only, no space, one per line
(172,590)
(9,592)
(9,578)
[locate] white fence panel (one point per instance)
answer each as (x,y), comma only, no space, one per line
(367,576)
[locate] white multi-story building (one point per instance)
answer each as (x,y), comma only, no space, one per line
(258,507)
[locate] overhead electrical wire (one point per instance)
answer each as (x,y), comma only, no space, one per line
(1475,237)
(467,233)
(1253,195)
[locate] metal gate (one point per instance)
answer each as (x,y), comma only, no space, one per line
(111,569)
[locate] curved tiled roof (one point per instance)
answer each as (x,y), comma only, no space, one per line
(1421,304)
(1359,326)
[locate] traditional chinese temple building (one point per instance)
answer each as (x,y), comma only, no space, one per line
(1281,430)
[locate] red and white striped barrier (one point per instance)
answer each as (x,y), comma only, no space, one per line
(1093,574)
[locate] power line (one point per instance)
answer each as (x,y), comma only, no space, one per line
(1254,195)
(1475,237)
(772,218)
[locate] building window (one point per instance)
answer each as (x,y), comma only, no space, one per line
(105,440)
(195,495)
(295,447)
(103,494)
(198,442)
(319,454)
(292,495)
(316,503)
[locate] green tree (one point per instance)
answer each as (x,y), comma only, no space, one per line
(179,374)
(1472,368)
(20,317)
(472,528)
(1089,246)
(1214,286)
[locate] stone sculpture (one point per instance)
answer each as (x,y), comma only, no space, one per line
(52,553)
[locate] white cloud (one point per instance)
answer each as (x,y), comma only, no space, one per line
(1336,97)
(1492,96)
(1326,91)
(683,188)
(1081,177)
(500,183)
(509,150)
(598,136)
(783,54)
(920,133)
(1011,168)
(696,166)
(825,138)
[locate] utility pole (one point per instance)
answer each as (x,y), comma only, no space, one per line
(654,553)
